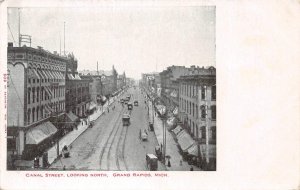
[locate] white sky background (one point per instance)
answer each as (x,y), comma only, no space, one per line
(133,39)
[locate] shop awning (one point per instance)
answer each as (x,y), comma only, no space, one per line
(77,77)
(177,130)
(62,75)
(40,133)
(72,116)
(174,94)
(175,111)
(185,140)
(210,152)
(92,105)
(70,76)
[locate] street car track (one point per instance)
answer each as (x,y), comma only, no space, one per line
(111,137)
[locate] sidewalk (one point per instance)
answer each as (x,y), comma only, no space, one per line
(171,147)
(69,138)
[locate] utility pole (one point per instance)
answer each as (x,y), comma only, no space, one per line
(64,38)
(19,27)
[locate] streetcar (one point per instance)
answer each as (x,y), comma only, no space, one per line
(126,119)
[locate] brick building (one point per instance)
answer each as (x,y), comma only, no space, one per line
(36,98)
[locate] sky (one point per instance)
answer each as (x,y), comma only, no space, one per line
(133,39)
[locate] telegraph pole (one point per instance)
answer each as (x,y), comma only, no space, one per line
(19,27)
(64,38)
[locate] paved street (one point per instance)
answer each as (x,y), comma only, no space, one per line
(110,146)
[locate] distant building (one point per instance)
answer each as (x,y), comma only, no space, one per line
(36,99)
(103,84)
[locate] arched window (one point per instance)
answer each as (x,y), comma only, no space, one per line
(37,94)
(33,114)
(33,95)
(37,113)
(213,112)
(42,112)
(28,116)
(28,95)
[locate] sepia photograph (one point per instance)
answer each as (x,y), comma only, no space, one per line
(111,89)
(149,94)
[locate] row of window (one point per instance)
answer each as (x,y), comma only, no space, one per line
(41,112)
(192,91)
(193,109)
(44,80)
(201,133)
(44,93)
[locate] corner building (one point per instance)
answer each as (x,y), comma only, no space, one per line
(36,99)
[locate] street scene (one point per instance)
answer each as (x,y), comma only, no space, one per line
(113,100)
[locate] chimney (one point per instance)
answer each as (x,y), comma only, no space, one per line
(40,47)
(10,44)
(55,53)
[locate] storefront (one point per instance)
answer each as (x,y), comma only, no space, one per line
(38,139)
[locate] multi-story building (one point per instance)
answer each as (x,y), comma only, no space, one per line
(170,86)
(77,90)
(108,82)
(197,111)
(36,98)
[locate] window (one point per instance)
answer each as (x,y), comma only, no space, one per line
(42,93)
(29,81)
(193,110)
(190,108)
(28,95)
(33,112)
(37,94)
(28,116)
(213,132)
(42,112)
(213,112)
(203,114)
(203,132)
(202,93)
(37,113)
(33,95)
(213,93)
(33,80)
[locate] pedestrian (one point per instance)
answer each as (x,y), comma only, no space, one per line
(180,162)
(191,169)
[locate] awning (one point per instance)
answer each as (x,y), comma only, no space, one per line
(36,74)
(62,76)
(45,74)
(31,74)
(92,105)
(48,108)
(40,133)
(175,111)
(211,152)
(55,74)
(174,94)
(72,116)
(70,76)
(177,129)
(185,140)
(77,77)
(42,75)
(49,74)
(47,89)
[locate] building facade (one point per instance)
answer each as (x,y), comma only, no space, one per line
(197,111)
(36,97)
(77,90)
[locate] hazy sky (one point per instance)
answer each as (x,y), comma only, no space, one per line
(133,39)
